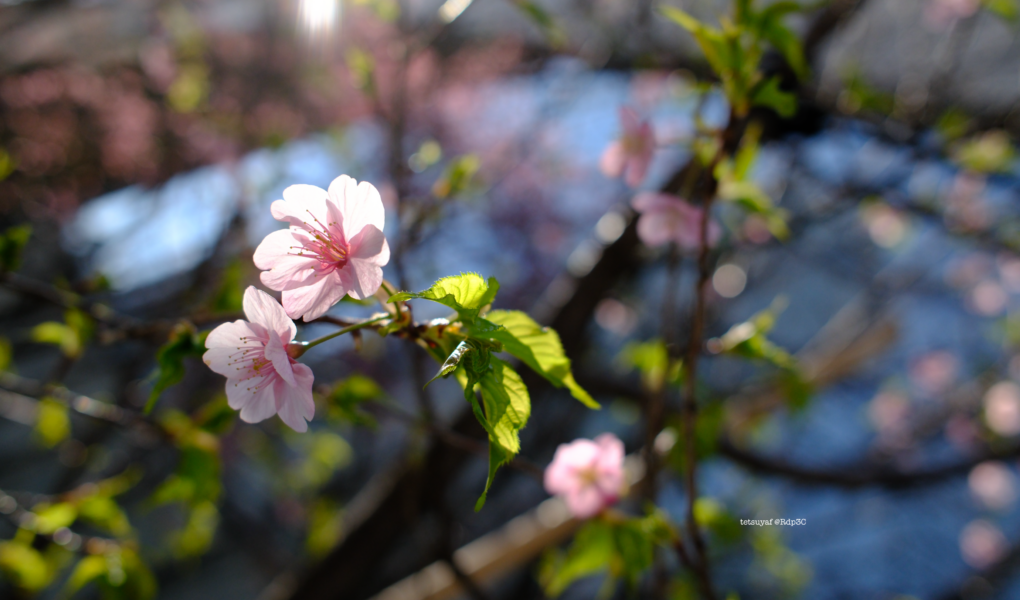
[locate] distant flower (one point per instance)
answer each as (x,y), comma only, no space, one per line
(334,246)
(943,14)
(666,218)
(262,378)
(632,153)
(587,474)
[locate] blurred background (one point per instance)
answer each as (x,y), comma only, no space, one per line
(142,142)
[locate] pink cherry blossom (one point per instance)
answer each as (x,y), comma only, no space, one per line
(587,474)
(334,246)
(632,153)
(666,218)
(262,378)
(943,14)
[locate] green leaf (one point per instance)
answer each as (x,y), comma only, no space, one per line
(52,332)
(105,513)
(651,359)
(52,424)
(325,527)
(348,394)
(537,346)
(7,164)
(507,408)
(13,240)
(988,152)
(6,354)
(51,517)
(452,361)
(711,41)
(24,566)
(184,342)
(88,569)
(467,293)
(784,40)
(1006,9)
(229,296)
(198,533)
(768,94)
(458,176)
(592,550)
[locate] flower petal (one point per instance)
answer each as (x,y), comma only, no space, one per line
(656,229)
(360,205)
(361,278)
(585,502)
(276,352)
(613,159)
(278,257)
(258,404)
(301,206)
(295,403)
(312,301)
(239,334)
(370,245)
(263,309)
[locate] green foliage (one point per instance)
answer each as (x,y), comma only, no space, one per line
(324,452)
(467,293)
(450,364)
(229,296)
(102,511)
(458,177)
(748,340)
(24,566)
(199,531)
(507,408)
(6,354)
(346,396)
(119,573)
(713,516)
(776,560)
(13,240)
(618,546)
(537,346)
(184,342)
(428,154)
(70,336)
(650,359)
(736,185)
(544,21)
(362,68)
(7,164)
(734,51)
(325,526)
(197,478)
(988,152)
(858,95)
(51,517)
(52,424)
(1008,10)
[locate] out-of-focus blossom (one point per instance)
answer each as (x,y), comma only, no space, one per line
(982,544)
(588,474)
(943,14)
(993,484)
(334,246)
(889,412)
(988,298)
(934,372)
(632,153)
(1002,408)
(666,218)
(262,378)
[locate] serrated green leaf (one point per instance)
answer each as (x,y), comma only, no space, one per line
(507,408)
(467,293)
(768,94)
(537,346)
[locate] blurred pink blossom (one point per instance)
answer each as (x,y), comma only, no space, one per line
(943,14)
(587,474)
(632,153)
(334,246)
(982,544)
(262,378)
(666,218)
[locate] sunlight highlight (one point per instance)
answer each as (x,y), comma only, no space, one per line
(317,19)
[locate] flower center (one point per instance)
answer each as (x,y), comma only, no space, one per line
(328,244)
